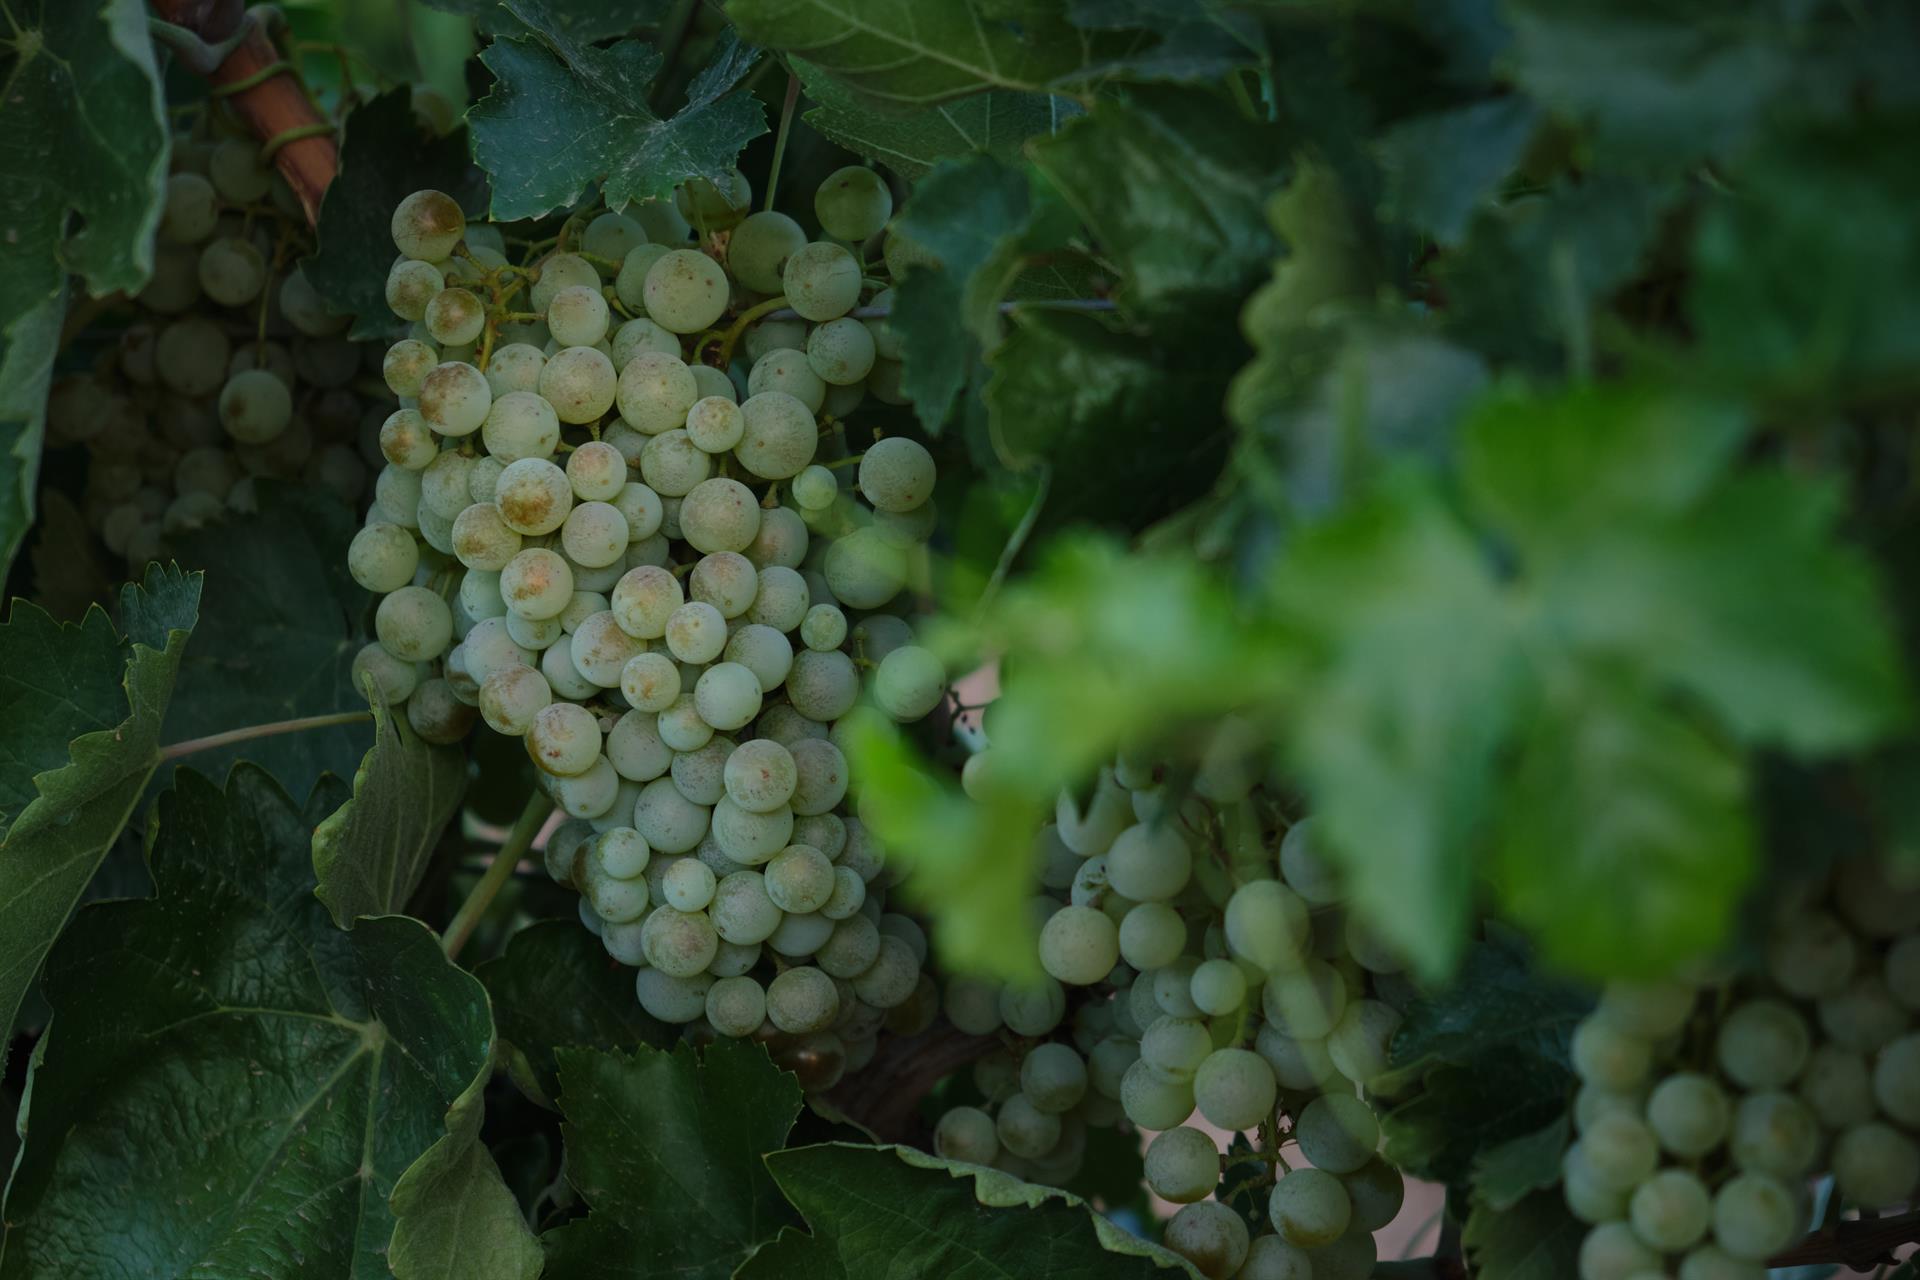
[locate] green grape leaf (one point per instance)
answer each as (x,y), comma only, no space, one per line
(454,1216)
(1173,182)
(282,621)
(28,342)
(1782,297)
(85,152)
(86,707)
(68,578)
(385,156)
(910,141)
(1443,166)
(901,51)
(1537,1239)
(1417,673)
(667,1150)
(565,22)
(557,121)
(1125,422)
(233,1084)
(555,987)
(1633,889)
(1524,283)
(1460,1112)
(1505,1175)
(370,854)
(870,1209)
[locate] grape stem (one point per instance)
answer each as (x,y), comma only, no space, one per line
(1860,1245)
(519,840)
(252,731)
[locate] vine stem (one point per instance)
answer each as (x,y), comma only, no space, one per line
(252,731)
(519,840)
(780,141)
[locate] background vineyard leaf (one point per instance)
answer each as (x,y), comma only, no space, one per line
(28,342)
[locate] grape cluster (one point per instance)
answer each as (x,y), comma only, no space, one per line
(1210,967)
(231,369)
(1707,1108)
(622,518)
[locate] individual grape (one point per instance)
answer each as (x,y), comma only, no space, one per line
(822,686)
(578,316)
(741,909)
(1591,1102)
(1587,1196)
(1688,1114)
(232,271)
(820,776)
(580,384)
(414,624)
(407,364)
(455,317)
(520,424)
(1053,1077)
(1710,1262)
(1266,924)
(967,1134)
(650,681)
(802,936)
(1182,1165)
(455,398)
(1079,945)
(1235,1088)
(1774,1133)
(397,496)
(1836,1085)
(671,999)
(815,488)
(426,225)
(736,1006)
(1337,1132)
(534,497)
(673,466)
(720,515)
(1608,1057)
(853,945)
(191,210)
(1896,1080)
(382,557)
(711,206)
(645,600)
(840,352)
(594,535)
(1611,1251)
(688,885)
(1309,1208)
(824,629)
(863,570)
(788,371)
(564,739)
(612,235)
(437,715)
(781,601)
(489,647)
(1863,1017)
(760,775)
(255,406)
(1670,1210)
(681,943)
(621,853)
(511,697)
(751,838)
(1145,863)
(1219,987)
(760,247)
(557,272)
(237,173)
(821,281)
(799,879)
(896,474)
(536,583)
(1271,1258)
(1025,1130)
(515,367)
(1762,1044)
(482,538)
(681,727)
(893,977)
(1209,1235)
(395,678)
(1811,955)
(909,683)
(601,650)
(1621,1151)
(685,291)
(1754,1217)
(1874,1166)
(778,436)
(853,203)
(1301,865)
(639,336)
(629,284)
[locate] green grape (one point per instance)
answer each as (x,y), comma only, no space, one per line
(455,317)
(821,281)
(414,624)
(1896,1080)
(909,683)
(580,384)
(1612,1251)
(511,697)
(820,776)
(1304,870)
(238,174)
(1863,1017)
(1266,924)
(1309,1208)
(1307,1002)
(536,583)
(759,249)
(682,943)
(1079,945)
(1811,955)
(892,979)
(853,945)
(1337,1132)
(680,725)
(715,425)
(1670,1210)
(634,747)
(671,999)
(437,715)
(407,441)
(714,207)
(1709,1262)
(1754,1217)
(395,678)
(564,739)
(1688,1114)
(824,629)
(672,465)
(688,885)
(1589,1200)
(526,632)
(778,436)
(601,650)
(1151,935)
(696,632)
(515,367)
(1376,1191)
(1359,1044)
(896,474)
(1608,1057)
(1621,1151)
(672,823)
(656,391)
(578,316)
(864,571)
(760,775)
(1774,1133)
(736,1006)
(1175,1045)
(382,557)
(853,203)
(1182,1165)
(455,398)
(1145,863)
(782,600)
(611,235)
(902,253)
(763,651)
(751,839)
(1025,1130)
(720,515)
(621,853)
(685,291)
(490,646)
(823,685)
(1874,1166)
(594,535)
(1209,1235)
(1762,1044)
(232,271)
(443,485)
(799,879)
(630,283)
(406,366)
(1836,1085)
(1235,1088)
(644,601)
(787,371)
(644,512)
(650,681)
(558,271)
(520,424)
(191,210)
(534,498)
(1219,987)
(1271,1258)
(639,336)
(397,496)
(1053,1077)
(714,382)
(700,774)
(483,540)
(426,225)
(967,1134)
(848,896)
(815,488)
(191,356)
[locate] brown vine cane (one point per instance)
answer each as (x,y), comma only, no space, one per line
(272,101)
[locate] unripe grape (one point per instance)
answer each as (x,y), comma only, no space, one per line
(1670,1210)
(1754,1216)
(1774,1133)
(1235,1089)
(1079,945)
(1182,1165)
(536,583)
(1762,1044)
(1688,1114)
(578,316)
(736,1006)
(511,697)
(760,247)
(1811,955)
(1621,1151)
(414,624)
(1611,1251)
(1309,1208)
(1266,923)
(788,371)
(1896,1080)
(1604,1055)
(1874,1166)
(580,384)
(1649,1010)
(853,203)
(382,557)
(685,291)
(820,280)
(966,1134)
(896,474)
(558,271)
(455,317)
(778,436)
(1863,1017)
(1211,1236)
(427,225)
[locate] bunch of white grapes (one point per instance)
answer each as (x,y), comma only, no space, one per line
(1708,1110)
(1198,960)
(230,370)
(639,562)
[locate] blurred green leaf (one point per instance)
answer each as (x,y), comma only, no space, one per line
(1506,1174)
(28,342)
(1537,1239)
(1443,166)
(558,121)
